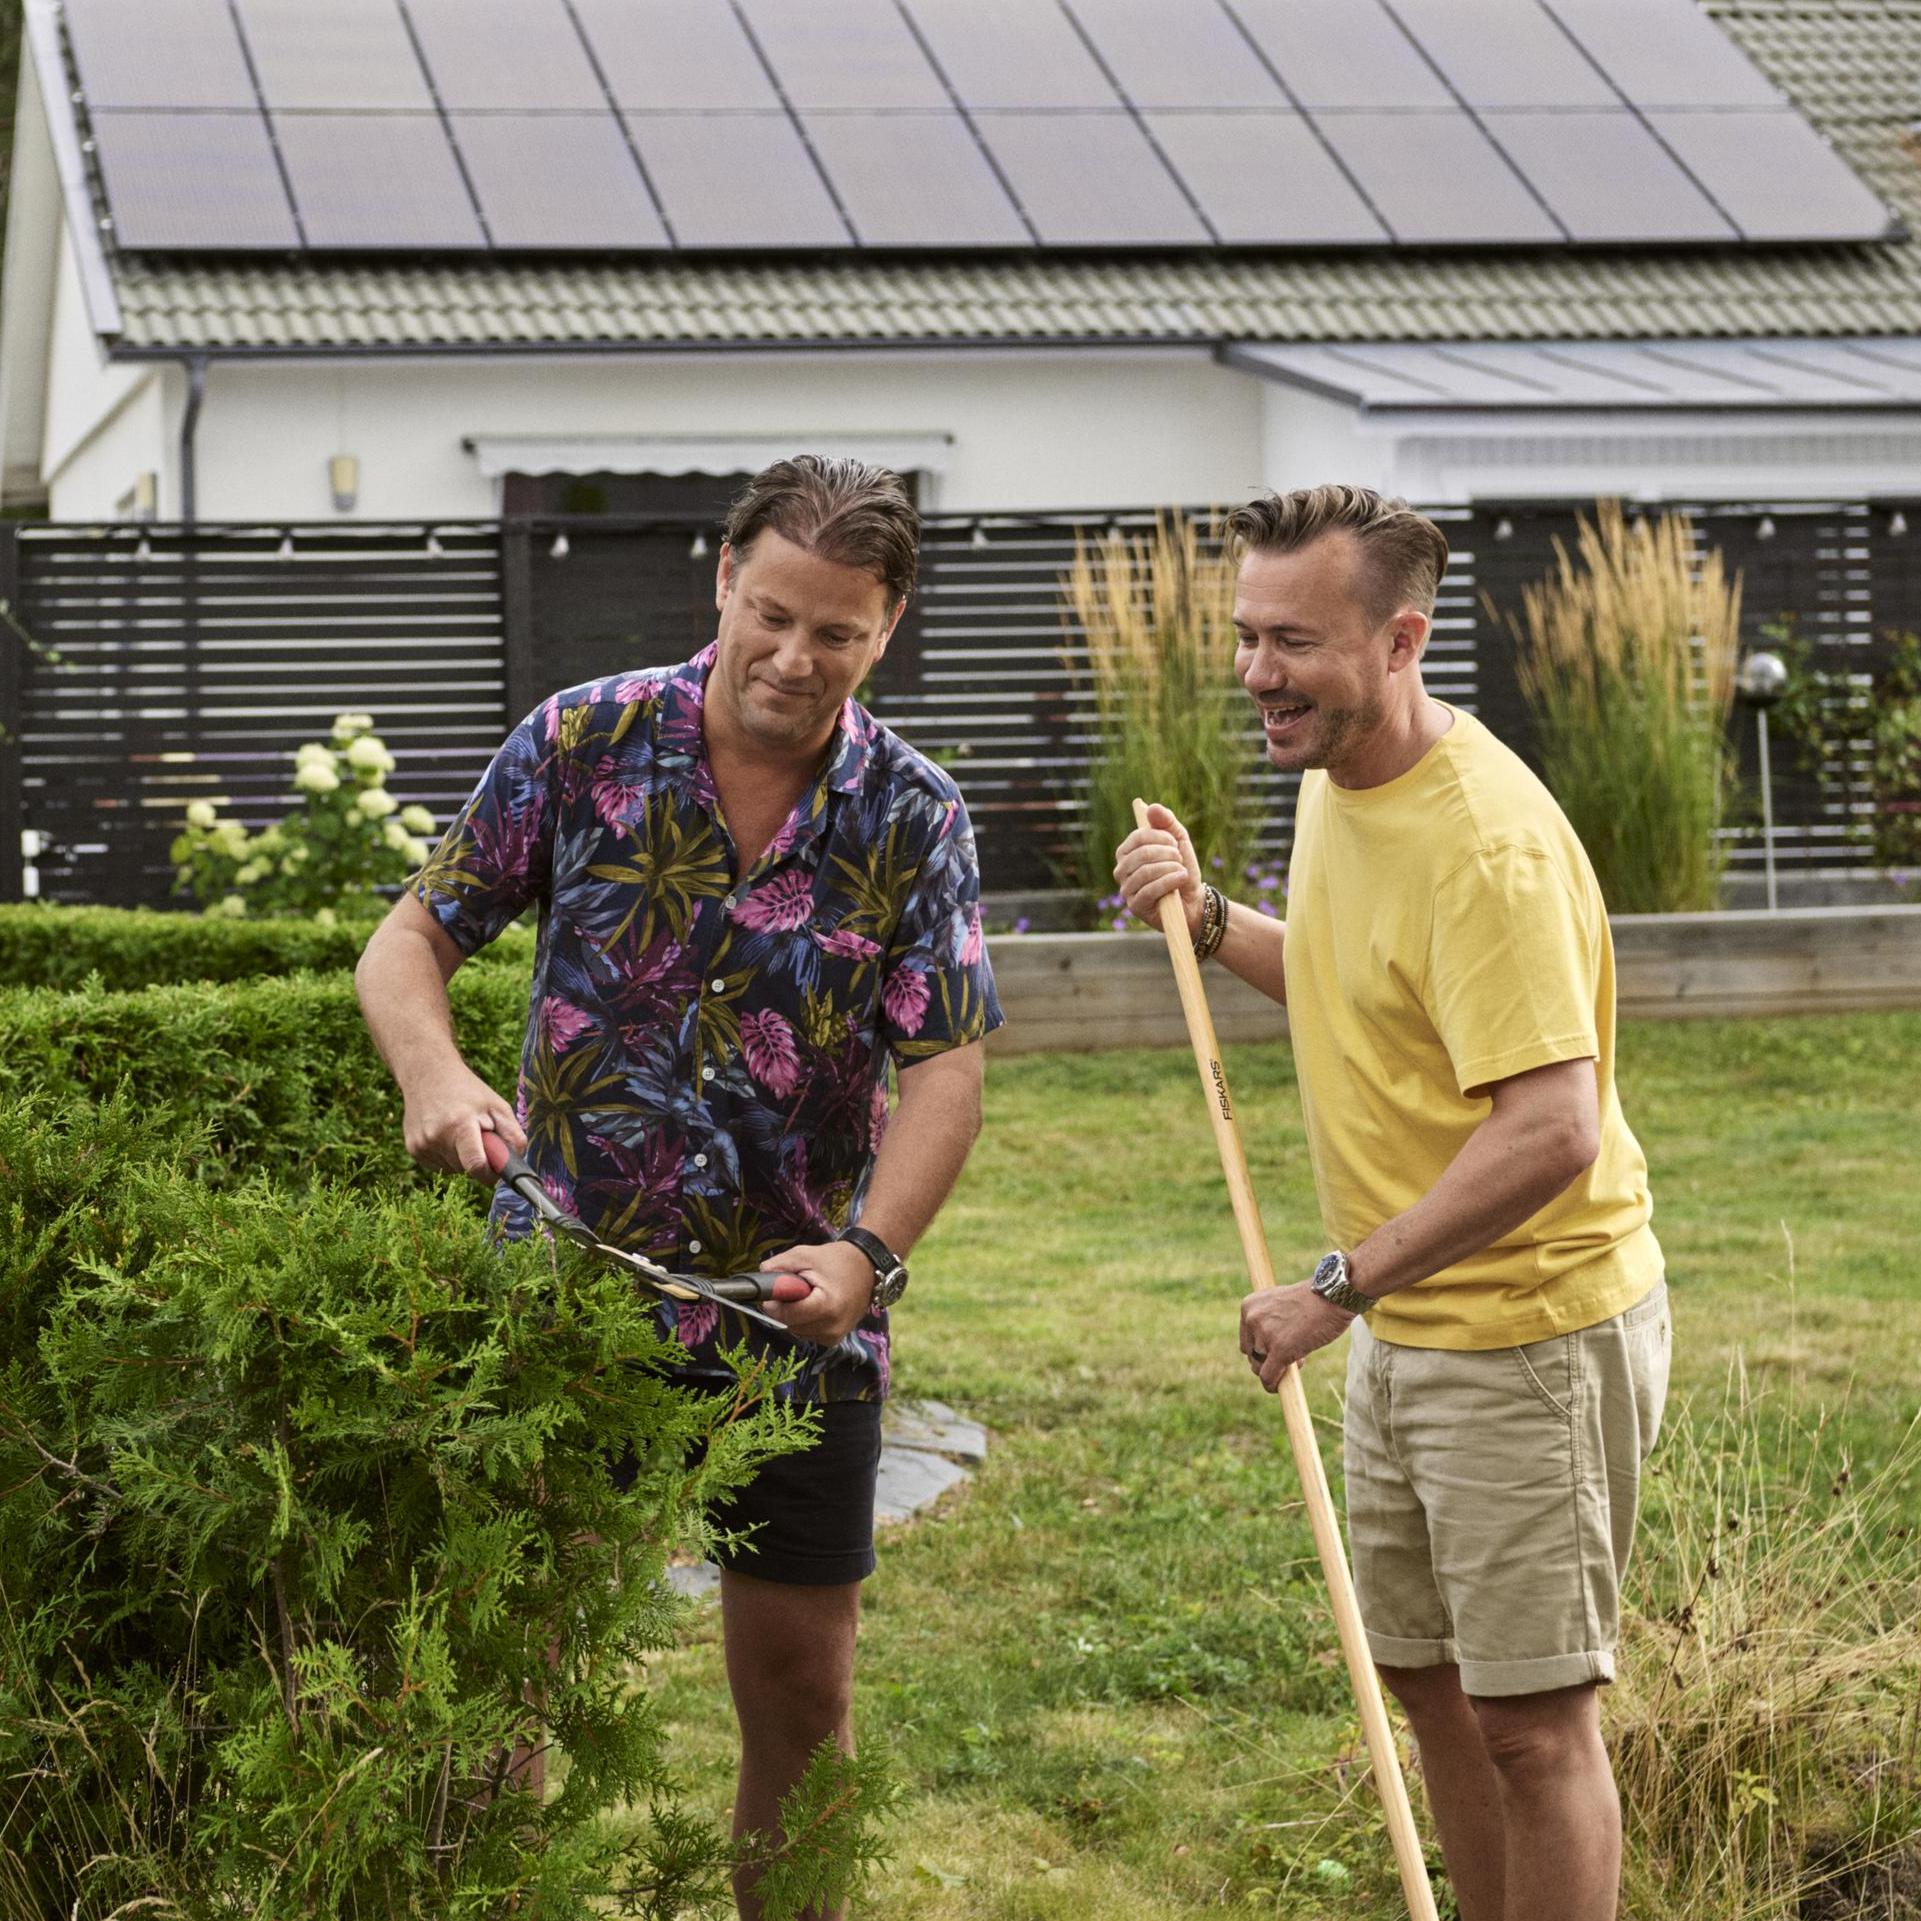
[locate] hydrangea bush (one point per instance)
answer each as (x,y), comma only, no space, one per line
(348,838)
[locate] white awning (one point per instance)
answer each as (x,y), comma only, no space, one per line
(1762,376)
(499,454)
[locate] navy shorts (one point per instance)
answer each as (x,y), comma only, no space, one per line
(808,1517)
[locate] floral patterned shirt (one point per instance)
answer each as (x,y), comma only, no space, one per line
(704,1077)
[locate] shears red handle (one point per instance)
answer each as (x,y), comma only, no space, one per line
(740,1293)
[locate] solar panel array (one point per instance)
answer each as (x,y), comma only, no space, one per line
(740,125)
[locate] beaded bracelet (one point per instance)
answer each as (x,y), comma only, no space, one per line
(1213,923)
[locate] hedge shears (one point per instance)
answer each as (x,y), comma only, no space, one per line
(738,1293)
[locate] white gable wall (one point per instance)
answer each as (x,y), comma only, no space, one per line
(1070,428)
(105,421)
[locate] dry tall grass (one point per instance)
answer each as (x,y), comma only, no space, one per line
(1158,616)
(1627,655)
(1765,1726)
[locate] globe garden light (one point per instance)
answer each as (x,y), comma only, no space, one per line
(1761,680)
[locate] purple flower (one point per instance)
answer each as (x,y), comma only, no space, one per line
(1021,924)
(1118,923)
(785,903)
(772,1058)
(1268,908)
(904,997)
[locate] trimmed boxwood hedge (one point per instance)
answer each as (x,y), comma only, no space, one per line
(281,1071)
(131,948)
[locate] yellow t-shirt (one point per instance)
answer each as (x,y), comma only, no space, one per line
(1445,930)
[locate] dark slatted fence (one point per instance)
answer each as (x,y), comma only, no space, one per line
(143,668)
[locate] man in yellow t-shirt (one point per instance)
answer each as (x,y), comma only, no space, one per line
(1449,980)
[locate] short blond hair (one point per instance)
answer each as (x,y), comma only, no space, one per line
(1404,554)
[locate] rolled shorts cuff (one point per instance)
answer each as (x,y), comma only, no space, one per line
(1491,1679)
(1396,1651)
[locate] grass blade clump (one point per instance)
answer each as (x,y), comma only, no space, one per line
(306,1533)
(1765,1727)
(1157,614)
(1626,658)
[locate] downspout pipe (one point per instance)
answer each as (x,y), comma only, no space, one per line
(196,365)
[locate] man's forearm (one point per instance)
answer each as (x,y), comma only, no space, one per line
(1251,947)
(402,986)
(925,1147)
(1505,1174)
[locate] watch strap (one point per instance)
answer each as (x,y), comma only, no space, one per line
(890,1271)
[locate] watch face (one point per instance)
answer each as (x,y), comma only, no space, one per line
(1332,1268)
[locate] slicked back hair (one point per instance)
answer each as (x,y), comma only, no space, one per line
(1403,553)
(843,510)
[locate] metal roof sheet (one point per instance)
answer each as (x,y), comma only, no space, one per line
(1850,65)
(1411,377)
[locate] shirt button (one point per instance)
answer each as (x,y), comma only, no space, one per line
(731,902)
(720,987)
(693,1247)
(700,1160)
(707,1073)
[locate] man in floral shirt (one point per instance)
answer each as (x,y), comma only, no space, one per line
(752,898)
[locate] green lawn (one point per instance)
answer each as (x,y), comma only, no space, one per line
(1105,1672)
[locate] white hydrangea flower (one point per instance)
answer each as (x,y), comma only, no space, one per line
(347,726)
(417,819)
(369,755)
(325,917)
(395,834)
(253,870)
(316,777)
(200,813)
(230,838)
(298,852)
(313,750)
(375,802)
(231,908)
(417,852)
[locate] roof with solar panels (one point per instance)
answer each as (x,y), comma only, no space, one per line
(274,175)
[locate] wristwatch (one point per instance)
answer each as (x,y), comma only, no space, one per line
(1330,1282)
(890,1271)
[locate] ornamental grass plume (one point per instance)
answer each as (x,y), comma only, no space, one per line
(1157,614)
(1626,657)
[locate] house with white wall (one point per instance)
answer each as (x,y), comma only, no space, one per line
(307,260)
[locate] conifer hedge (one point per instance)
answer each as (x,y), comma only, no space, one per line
(281,1070)
(48,946)
(304,1525)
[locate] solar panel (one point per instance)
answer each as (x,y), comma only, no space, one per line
(1505,53)
(864,58)
(1265,179)
(1666,53)
(200,180)
(557,180)
(915,180)
(1163,56)
(736,180)
(1356,58)
(504,54)
(347,53)
(1011,53)
(686,54)
(1090,180)
(367,180)
(158,53)
(1435,180)
(1606,177)
(1777,178)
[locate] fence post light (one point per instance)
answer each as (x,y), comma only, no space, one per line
(343,476)
(1761,680)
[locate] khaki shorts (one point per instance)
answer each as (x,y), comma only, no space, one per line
(1491,1497)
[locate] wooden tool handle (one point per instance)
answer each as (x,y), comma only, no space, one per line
(1300,1423)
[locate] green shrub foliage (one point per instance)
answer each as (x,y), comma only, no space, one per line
(306,1526)
(280,1071)
(46,946)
